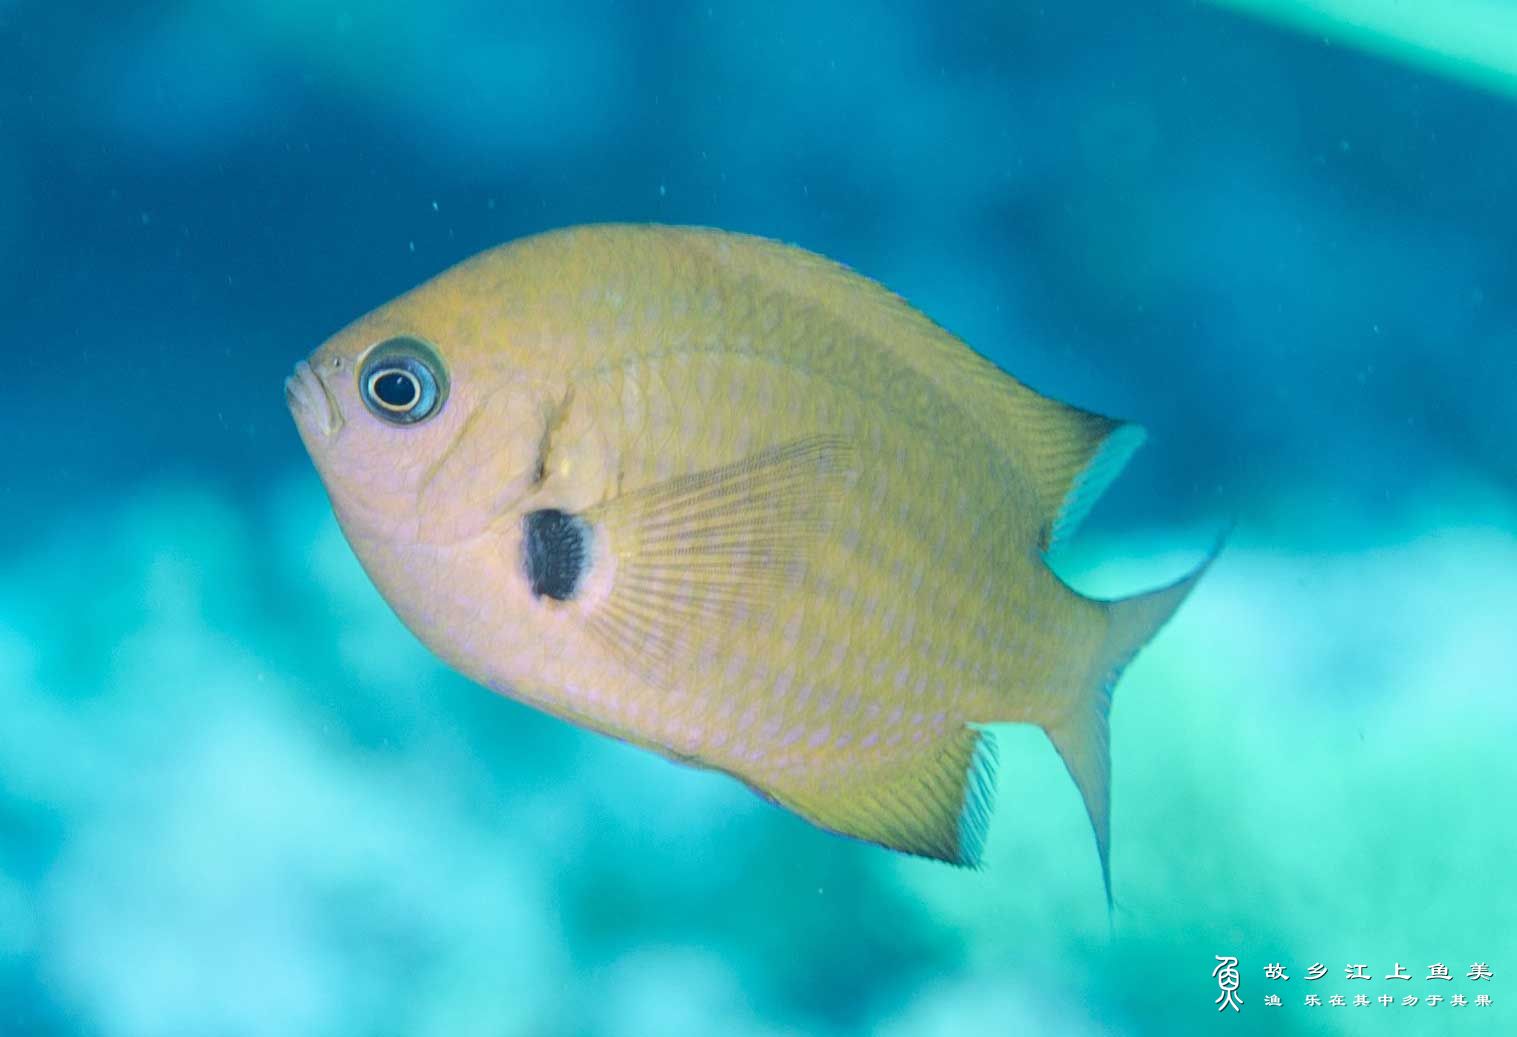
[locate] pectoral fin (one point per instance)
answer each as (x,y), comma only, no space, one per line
(698,554)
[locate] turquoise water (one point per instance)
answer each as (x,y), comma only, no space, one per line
(236,797)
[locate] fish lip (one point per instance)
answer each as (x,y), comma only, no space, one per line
(311,402)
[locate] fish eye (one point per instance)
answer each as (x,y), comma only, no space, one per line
(403,381)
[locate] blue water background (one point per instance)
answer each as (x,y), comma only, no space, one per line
(236,798)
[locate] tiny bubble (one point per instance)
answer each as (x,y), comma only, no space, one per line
(411,245)
(434,206)
(662,190)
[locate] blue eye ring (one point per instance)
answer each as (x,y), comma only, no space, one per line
(403,381)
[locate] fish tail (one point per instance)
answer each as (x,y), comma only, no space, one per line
(1082,736)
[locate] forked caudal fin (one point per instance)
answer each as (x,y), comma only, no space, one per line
(1083,737)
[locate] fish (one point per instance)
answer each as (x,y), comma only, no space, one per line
(729,501)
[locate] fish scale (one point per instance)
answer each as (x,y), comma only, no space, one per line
(792,530)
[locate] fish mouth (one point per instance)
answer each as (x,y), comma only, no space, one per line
(310,402)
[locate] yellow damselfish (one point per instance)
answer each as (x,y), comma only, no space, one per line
(727,500)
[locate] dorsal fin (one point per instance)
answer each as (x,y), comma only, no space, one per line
(1072,462)
(1068,455)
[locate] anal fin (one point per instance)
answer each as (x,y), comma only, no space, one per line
(934,804)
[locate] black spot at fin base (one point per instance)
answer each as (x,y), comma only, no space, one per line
(555,552)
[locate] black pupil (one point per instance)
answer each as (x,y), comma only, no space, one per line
(395,389)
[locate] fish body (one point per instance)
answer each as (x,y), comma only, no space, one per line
(729,501)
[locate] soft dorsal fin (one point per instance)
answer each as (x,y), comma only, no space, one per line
(1072,460)
(1069,455)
